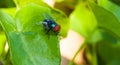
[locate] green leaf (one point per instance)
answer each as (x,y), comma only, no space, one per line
(82,20)
(67,6)
(95,37)
(11,11)
(112,7)
(106,19)
(4,18)
(108,52)
(22,3)
(116,2)
(6,3)
(59,0)
(29,43)
(105,46)
(59,16)
(102,2)
(71,3)
(103,39)
(68,3)
(1,28)
(114,62)
(2,42)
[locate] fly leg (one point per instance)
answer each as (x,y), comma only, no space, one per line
(48,32)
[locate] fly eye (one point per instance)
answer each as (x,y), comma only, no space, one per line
(57,28)
(53,25)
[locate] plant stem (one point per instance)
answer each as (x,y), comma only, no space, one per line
(94,56)
(81,47)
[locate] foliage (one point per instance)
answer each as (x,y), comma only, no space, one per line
(6,3)
(98,21)
(27,38)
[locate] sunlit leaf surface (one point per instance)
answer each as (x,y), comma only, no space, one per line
(83,20)
(29,43)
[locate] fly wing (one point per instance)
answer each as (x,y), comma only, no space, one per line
(46,25)
(48,16)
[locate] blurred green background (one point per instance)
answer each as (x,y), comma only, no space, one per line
(97,21)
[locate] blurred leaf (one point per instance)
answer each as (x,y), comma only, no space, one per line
(113,8)
(116,2)
(83,20)
(2,42)
(59,0)
(71,3)
(6,3)
(29,43)
(106,19)
(102,2)
(95,37)
(63,7)
(114,62)
(1,28)
(22,3)
(3,54)
(2,45)
(11,11)
(103,39)
(4,18)
(67,6)
(108,52)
